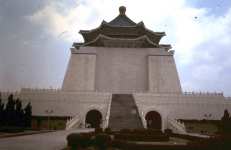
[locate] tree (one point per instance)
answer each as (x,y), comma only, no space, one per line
(1,112)
(226,123)
(13,114)
(18,113)
(226,115)
(10,111)
(28,115)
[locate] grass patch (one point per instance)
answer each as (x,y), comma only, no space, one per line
(208,127)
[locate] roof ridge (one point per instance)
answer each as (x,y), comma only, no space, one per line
(122,20)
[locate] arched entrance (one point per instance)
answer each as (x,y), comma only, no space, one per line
(153,120)
(93,119)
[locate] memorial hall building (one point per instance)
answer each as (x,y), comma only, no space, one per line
(121,76)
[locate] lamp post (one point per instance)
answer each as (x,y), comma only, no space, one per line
(48,112)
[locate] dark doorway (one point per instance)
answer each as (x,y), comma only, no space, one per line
(93,119)
(153,120)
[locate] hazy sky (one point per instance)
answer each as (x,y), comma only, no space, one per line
(35,37)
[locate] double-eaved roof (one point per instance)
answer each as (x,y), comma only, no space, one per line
(121,32)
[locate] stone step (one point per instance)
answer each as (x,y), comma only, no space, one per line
(124,113)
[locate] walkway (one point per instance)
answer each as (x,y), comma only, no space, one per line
(44,141)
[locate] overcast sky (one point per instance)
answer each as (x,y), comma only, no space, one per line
(35,37)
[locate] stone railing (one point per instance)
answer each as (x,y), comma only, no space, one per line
(108,111)
(203,93)
(140,113)
(54,91)
(73,123)
(183,93)
(5,95)
(176,126)
(39,90)
(228,98)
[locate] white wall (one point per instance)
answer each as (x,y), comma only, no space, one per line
(169,105)
(66,103)
(180,106)
(121,70)
(163,76)
(124,70)
(80,74)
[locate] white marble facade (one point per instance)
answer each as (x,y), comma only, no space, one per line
(150,74)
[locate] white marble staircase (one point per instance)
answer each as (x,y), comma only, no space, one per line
(124,113)
(176,126)
(73,123)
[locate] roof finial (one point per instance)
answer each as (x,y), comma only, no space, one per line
(122,10)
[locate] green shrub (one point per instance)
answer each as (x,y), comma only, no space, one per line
(11,129)
(187,137)
(118,143)
(108,130)
(79,140)
(154,132)
(168,131)
(139,131)
(125,131)
(140,137)
(102,141)
(98,130)
(213,143)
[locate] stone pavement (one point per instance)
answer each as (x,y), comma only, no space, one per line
(44,141)
(27,132)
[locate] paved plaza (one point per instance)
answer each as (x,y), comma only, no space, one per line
(44,141)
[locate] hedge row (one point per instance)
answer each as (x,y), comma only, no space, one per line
(187,137)
(103,141)
(140,137)
(142,131)
(220,143)
(84,140)
(147,135)
(11,129)
(123,145)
